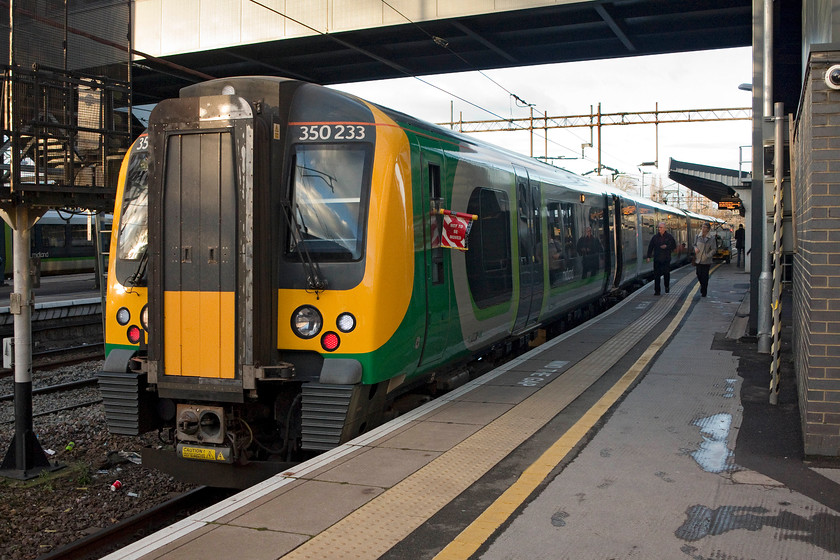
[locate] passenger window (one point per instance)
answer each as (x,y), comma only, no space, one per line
(80,236)
(596,222)
(567,211)
(559,259)
(53,235)
(628,221)
(489,272)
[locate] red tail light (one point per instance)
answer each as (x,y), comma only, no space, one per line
(133,334)
(330,341)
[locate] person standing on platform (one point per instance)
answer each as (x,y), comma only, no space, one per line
(660,248)
(739,243)
(704,250)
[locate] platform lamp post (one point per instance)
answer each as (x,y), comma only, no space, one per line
(25,458)
(643,172)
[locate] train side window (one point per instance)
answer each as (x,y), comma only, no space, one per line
(596,222)
(80,236)
(434,181)
(648,226)
(557,262)
(628,225)
(53,235)
(567,214)
(488,263)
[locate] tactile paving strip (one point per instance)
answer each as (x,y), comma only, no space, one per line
(377,526)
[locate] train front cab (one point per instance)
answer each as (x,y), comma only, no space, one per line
(268,322)
(211,303)
(129,408)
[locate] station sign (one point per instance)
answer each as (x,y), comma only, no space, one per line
(729,203)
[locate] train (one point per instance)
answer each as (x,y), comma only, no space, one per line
(62,241)
(288,259)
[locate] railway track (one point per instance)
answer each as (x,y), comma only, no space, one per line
(54,388)
(129,530)
(57,386)
(57,357)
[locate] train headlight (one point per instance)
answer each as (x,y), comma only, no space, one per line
(144,317)
(346,322)
(330,341)
(123,316)
(306,321)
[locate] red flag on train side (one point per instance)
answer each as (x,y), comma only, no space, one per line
(456,227)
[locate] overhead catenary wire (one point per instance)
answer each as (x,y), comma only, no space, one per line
(442,42)
(520,102)
(437,40)
(445,44)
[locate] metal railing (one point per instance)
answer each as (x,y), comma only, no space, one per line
(61,131)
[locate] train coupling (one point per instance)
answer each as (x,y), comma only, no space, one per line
(200,431)
(198,423)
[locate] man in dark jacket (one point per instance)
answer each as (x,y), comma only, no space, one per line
(739,243)
(660,248)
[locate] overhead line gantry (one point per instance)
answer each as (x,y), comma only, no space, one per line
(595,120)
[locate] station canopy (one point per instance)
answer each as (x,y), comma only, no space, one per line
(718,184)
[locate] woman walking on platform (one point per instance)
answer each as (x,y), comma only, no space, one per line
(704,250)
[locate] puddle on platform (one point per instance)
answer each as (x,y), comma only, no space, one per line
(714,456)
(729,392)
(702,521)
(819,530)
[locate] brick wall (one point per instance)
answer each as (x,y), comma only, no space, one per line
(816,264)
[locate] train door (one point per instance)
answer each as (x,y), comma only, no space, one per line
(199,265)
(614,257)
(530,249)
(436,273)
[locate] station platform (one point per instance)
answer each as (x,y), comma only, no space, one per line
(645,433)
(57,298)
(62,287)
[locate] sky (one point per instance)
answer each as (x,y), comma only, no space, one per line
(694,80)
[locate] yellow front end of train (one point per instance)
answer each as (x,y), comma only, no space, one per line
(361,319)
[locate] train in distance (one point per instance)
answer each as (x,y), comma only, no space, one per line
(62,241)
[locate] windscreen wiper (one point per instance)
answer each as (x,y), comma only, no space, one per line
(140,272)
(314,280)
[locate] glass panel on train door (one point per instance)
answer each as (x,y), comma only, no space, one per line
(529,253)
(199,264)
(437,281)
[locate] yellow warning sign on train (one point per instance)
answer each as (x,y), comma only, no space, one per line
(216,454)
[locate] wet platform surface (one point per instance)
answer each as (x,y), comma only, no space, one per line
(645,433)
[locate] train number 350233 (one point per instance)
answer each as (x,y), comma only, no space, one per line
(332,132)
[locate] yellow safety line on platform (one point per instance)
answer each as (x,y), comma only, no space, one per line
(375,527)
(477,533)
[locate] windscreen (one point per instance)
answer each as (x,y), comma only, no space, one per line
(133,236)
(329,195)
